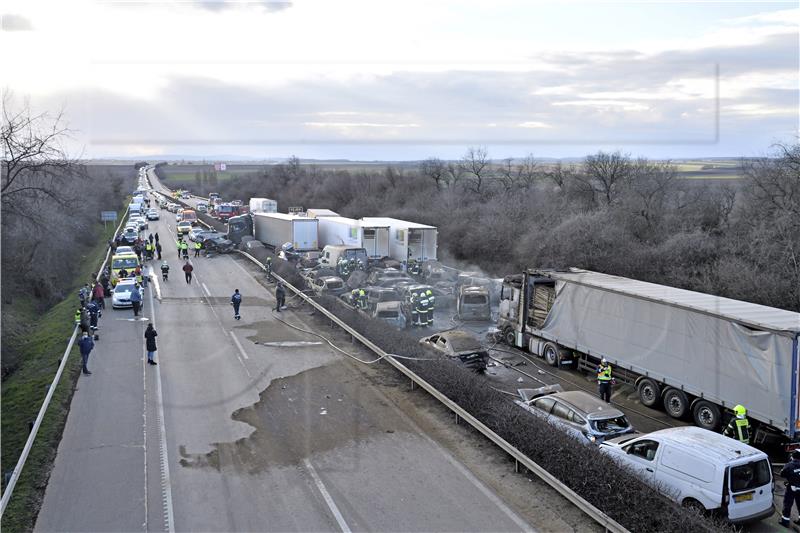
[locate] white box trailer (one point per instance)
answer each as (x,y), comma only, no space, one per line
(263,205)
(275,229)
(696,354)
(320,213)
(351,232)
(407,240)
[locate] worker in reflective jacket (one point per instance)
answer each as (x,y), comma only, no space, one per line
(414,305)
(422,308)
(431,306)
(739,426)
(791,473)
(604,380)
(361,298)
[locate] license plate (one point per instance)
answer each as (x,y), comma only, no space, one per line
(743,497)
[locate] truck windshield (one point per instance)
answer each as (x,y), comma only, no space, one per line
(750,476)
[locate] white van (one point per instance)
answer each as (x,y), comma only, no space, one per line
(701,469)
(332,252)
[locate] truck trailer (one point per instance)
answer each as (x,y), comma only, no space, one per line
(263,205)
(695,354)
(335,230)
(276,229)
(407,240)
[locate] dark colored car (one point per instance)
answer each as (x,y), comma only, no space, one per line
(219,245)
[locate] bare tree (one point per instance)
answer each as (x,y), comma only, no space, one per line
(35,163)
(560,174)
(475,162)
(605,173)
(435,169)
(454,173)
(527,172)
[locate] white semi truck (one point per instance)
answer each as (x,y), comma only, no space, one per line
(695,354)
(335,231)
(275,230)
(407,240)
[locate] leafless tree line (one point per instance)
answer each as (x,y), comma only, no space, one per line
(610,212)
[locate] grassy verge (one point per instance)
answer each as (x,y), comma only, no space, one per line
(24,391)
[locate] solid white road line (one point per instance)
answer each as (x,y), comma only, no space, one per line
(327,497)
(208,292)
(238,345)
(166,485)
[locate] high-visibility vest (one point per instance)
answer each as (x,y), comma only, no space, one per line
(743,430)
(77,317)
(604,373)
(197,245)
(184,245)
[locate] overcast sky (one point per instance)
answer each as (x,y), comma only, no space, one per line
(408,80)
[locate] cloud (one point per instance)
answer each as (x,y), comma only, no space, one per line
(12,22)
(267,5)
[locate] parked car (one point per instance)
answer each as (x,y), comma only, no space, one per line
(178,214)
(376,295)
(580,414)
(387,277)
(183,227)
(124,250)
(152,214)
(326,285)
(218,244)
(200,233)
(121,298)
(202,207)
(473,303)
(141,222)
(700,469)
(389,312)
(461,345)
(129,235)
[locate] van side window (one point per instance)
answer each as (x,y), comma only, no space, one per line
(545,404)
(646,449)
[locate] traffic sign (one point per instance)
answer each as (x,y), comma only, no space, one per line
(108,216)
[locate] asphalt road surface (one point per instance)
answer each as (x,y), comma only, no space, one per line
(251,425)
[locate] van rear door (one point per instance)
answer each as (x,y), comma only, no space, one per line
(750,488)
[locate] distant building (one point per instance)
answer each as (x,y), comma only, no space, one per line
(220,167)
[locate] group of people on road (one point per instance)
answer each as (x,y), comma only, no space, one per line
(423,303)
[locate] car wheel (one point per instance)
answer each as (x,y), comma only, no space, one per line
(550,354)
(649,392)
(510,337)
(706,415)
(676,403)
(694,505)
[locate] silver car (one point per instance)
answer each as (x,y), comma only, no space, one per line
(580,414)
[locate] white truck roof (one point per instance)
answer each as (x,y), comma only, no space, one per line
(704,443)
(314,213)
(392,222)
(749,314)
(283,216)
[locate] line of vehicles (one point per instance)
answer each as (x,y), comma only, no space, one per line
(694,355)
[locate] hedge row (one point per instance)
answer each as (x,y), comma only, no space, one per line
(614,490)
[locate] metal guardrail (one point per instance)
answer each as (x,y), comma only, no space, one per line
(596,514)
(12,482)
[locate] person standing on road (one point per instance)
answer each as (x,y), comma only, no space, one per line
(791,473)
(178,244)
(150,335)
(236,301)
(280,297)
(187,270)
(604,380)
(85,344)
(150,238)
(158,250)
(136,299)
(156,236)
(197,247)
(269,269)
(185,249)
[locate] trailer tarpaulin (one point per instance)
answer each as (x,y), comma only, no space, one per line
(727,362)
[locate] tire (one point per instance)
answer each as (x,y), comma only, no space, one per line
(707,415)
(509,337)
(550,354)
(649,392)
(676,403)
(694,505)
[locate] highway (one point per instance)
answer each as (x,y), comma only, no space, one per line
(253,426)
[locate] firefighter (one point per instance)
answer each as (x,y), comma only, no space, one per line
(413,267)
(354,297)
(431,306)
(362,299)
(422,309)
(791,473)
(269,269)
(414,305)
(739,426)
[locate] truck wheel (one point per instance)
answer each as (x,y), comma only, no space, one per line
(649,392)
(510,337)
(706,415)
(550,354)
(676,403)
